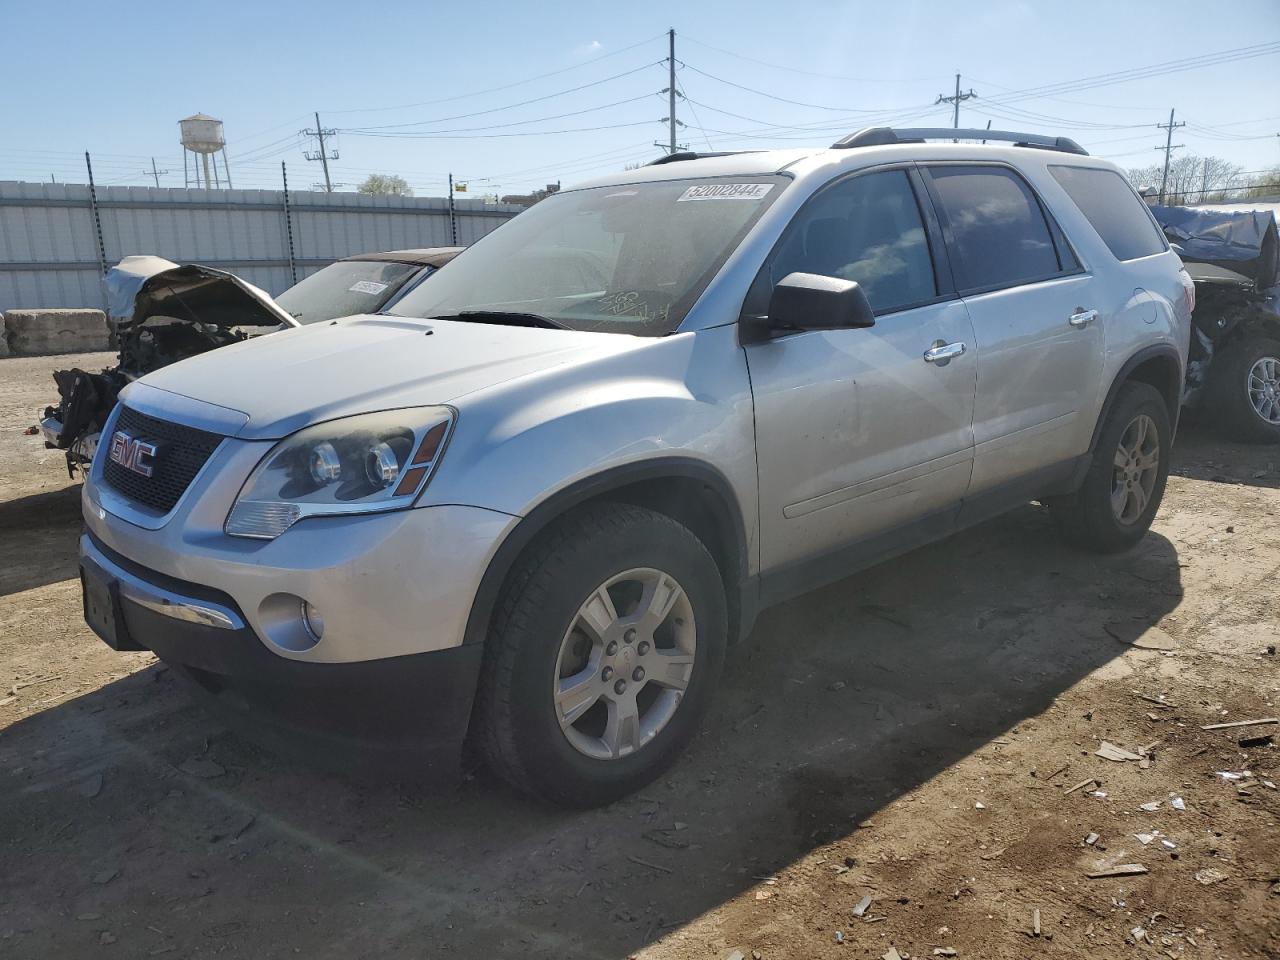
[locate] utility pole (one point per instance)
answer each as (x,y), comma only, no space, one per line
(1168,148)
(154,172)
(671,89)
(453,222)
(671,146)
(322,155)
(288,222)
(956,100)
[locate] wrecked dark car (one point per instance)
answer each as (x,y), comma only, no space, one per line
(162,312)
(1233,375)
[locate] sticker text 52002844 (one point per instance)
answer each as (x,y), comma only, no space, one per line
(726,191)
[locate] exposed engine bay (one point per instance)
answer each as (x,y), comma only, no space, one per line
(160,313)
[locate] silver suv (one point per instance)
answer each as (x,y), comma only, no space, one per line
(532,505)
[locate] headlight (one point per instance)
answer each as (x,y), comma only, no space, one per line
(364,464)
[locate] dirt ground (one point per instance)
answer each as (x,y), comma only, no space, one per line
(908,735)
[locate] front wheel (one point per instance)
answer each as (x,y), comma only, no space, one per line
(1116,503)
(602,657)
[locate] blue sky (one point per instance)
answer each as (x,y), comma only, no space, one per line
(116,79)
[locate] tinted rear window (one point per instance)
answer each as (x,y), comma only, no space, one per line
(998,234)
(1114,210)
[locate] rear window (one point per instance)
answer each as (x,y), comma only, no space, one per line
(998,233)
(1114,210)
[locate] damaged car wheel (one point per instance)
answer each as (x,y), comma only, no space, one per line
(1244,390)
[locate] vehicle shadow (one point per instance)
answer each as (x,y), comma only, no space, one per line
(838,703)
(1203,454)
(38,537)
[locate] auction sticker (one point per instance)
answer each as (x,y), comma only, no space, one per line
(726,191)
(371,287)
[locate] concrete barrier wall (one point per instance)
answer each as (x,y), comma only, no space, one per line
(32,333)
(50,255)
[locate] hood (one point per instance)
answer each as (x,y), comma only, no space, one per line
(1213,275)
(1245,242)
(139,288)
(361,364)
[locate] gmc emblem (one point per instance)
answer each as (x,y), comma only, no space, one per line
(133,454)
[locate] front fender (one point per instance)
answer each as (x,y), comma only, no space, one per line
(686,396)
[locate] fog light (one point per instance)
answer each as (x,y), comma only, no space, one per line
(312,620)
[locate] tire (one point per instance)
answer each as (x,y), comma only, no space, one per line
(544,633)
(1227,397)
(1114,506)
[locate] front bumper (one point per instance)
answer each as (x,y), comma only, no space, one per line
(405,715)
(386,584)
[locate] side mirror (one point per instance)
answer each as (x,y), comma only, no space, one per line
(807,301)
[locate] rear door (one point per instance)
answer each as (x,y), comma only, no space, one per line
(856,431)
(1037,319)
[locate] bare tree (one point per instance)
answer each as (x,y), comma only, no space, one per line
(385,185)
(1192,178)
(1264,184)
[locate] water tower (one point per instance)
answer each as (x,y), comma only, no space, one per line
(202,136)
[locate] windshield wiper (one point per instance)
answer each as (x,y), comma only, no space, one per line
(511,318)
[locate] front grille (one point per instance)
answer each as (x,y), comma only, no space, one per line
(180,453)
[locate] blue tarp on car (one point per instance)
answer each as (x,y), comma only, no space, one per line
(1241,240)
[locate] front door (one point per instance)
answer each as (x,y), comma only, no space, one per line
(859,431)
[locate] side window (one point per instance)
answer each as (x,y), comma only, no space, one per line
(867,228)
(998,234)
(1114,210)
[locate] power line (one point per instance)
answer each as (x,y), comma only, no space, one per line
(552,166)
(528,133)
(505,86)
(807,73)
(509,106)
(1143,73)
(761,93)
(415,134)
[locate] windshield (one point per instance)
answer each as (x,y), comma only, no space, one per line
(624,259)
(344,288)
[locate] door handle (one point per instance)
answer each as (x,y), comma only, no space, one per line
(1082,318)
(943,353)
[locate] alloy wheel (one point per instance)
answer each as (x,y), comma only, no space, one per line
(1263,384)
(624,663)
(1137,464)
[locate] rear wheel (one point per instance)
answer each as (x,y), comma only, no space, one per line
(1114,506)
(602,657)
(1243,393)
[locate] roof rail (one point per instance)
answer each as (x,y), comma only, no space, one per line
(881,136)
(692,155)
